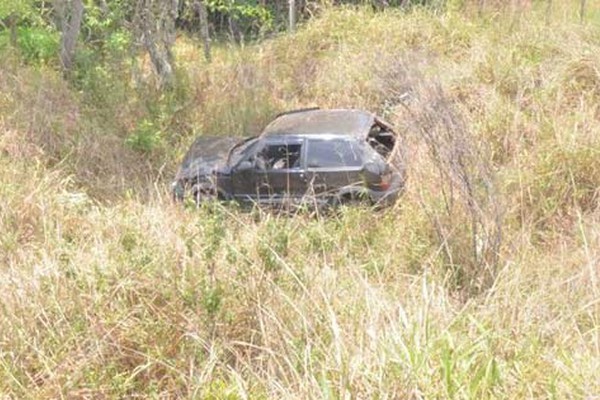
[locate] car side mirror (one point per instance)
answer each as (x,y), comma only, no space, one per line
(244,165)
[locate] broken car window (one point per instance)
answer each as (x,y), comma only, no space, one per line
(381,139)
(334,153)
(280,156)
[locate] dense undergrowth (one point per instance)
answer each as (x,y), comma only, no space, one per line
(482,282)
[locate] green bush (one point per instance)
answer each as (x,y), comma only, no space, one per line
(38,45)
(145,138)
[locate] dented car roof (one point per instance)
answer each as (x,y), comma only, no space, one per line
(316,121)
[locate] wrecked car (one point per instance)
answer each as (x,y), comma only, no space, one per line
(315,156)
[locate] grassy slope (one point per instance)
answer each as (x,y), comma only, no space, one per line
(126,294)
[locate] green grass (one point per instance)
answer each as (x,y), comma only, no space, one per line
(109,290)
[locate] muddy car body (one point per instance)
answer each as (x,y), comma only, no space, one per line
(306,156)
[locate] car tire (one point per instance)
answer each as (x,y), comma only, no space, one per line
(354,199)
(203,193)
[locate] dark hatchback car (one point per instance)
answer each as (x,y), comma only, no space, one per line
(309,156)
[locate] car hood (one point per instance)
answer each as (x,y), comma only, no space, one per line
(206,154)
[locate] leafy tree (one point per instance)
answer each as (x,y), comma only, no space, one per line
(12,12)
(240,18)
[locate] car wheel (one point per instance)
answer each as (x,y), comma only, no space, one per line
(354,199)
(203,193)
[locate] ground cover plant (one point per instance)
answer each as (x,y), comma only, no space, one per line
(482,282)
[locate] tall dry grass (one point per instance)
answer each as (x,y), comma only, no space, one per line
(482,282)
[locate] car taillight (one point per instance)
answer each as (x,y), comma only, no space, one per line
(386,179)
(384,182)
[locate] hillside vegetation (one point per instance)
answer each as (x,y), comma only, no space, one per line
(482,282)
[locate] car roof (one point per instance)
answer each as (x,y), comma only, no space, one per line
(349,122)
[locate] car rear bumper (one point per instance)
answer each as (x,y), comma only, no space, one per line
(390,196)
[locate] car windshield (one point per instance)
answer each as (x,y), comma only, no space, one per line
(237,152)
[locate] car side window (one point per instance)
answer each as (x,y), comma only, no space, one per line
(334,153)
(279,156)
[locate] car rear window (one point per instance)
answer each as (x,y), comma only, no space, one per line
(333,153)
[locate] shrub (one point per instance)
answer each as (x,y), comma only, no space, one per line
(37,44)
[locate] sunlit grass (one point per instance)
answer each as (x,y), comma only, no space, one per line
(108,289)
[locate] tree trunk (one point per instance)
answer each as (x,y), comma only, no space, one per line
(292,15)
(381,5)
(481,7)
(12,26)
(156,25)
(548,10)
(160,60)
(71,17)
(200,9)
(234,30)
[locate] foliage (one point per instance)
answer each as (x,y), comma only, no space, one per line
(38,44)
(109,289)
(21,8)
(102,20)
(251,15)
(36,39)
(145,137)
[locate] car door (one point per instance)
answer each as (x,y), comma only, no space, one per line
(333,165)
(274,173)
(243,172)
(283,177)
